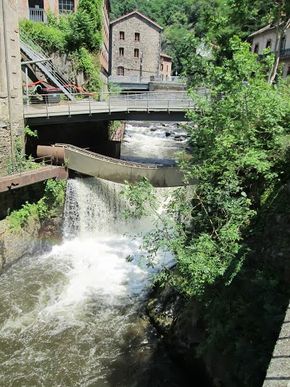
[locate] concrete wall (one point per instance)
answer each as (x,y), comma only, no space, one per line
(149,46)
(14,199)
(11,106)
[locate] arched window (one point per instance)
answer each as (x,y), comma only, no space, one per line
(120,70)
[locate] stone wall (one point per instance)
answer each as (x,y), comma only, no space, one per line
(11,106)
(14,199)
(35,237)
(149,47)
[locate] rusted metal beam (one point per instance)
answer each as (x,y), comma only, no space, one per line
(24,179)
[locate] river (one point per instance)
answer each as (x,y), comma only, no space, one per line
(73,316)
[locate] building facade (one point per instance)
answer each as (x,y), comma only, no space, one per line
(135,46)
(165,67)
(265,38)
(36,10)
(11,104)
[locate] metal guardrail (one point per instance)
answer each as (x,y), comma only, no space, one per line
(47,105)
(145,79)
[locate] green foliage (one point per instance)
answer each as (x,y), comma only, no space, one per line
(231,239)
(48,206)
(88,63)
(236,152)
(49,37)
(30,133)
(113,127)
(21,163)
(140,197)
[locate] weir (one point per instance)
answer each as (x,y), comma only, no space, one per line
(109,168)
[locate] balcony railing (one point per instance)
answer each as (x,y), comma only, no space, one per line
(37,14)
(285,53)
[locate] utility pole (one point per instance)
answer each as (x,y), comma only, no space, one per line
(141,65)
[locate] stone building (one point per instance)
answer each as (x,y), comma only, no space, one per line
(165,67)
(36,10)
(266,38)
(11,105)
(135,47)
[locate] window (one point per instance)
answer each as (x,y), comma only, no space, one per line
(121,51)
(136,52)
(161,67)
(137,37)
(66,6)
(256,48)
(283,43)
(269,43)
(122,35)
(120,70)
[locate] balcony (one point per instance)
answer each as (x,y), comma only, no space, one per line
(37,15)
(285,53)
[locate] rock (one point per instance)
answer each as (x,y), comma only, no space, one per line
(179,138)
(168,134)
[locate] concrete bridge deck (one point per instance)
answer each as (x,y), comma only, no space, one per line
(148,106)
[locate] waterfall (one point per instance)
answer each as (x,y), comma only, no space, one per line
(71,316)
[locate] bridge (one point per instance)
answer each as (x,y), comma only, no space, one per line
(55,108)
(108,168)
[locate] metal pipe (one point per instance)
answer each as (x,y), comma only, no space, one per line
(8,81)
(27,88)
(35,61)
(56,153)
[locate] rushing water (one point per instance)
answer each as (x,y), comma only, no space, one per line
(73,316)
(153,142)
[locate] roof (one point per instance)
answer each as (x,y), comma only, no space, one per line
(165,55)
(136,13)
(264,29)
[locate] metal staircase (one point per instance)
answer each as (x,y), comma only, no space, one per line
(35,53)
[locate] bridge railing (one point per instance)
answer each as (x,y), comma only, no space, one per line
(55,103)
(146,79)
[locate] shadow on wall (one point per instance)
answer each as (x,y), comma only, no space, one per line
(90,135)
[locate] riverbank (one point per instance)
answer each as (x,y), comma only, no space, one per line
(232,329)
